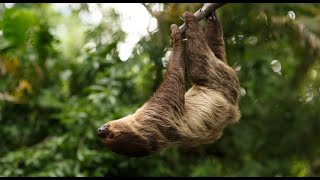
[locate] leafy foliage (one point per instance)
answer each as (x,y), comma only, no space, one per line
(57,89)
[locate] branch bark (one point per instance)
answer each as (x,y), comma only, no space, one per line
(203,12)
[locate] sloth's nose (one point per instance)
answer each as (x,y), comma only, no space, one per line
(103,131)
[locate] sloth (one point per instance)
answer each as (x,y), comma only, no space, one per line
(172,116)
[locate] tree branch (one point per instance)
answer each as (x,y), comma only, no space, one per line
(203,12)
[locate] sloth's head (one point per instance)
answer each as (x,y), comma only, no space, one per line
(122,138)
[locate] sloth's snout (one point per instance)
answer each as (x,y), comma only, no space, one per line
(103,131)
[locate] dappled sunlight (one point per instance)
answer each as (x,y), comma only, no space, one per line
(243,92)
(237,67)
(8,5)
(136,22)
(67,68)
(291,15)
(276,66)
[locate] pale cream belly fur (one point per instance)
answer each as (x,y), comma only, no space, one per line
(207,113)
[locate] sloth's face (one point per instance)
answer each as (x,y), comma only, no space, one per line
(121,139)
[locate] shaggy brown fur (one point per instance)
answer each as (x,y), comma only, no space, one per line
(173,117)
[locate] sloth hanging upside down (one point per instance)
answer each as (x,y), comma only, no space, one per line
(175,117)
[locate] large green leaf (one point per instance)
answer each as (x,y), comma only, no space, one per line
(19,25)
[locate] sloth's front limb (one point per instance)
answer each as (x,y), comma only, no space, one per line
(169,97)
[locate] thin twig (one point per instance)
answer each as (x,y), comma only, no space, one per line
(203,12)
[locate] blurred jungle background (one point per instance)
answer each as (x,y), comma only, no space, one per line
(65,69)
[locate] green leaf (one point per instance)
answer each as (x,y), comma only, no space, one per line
(17,24)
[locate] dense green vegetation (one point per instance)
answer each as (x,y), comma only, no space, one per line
(56,90)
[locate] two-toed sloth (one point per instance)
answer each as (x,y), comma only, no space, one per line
(173,116)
